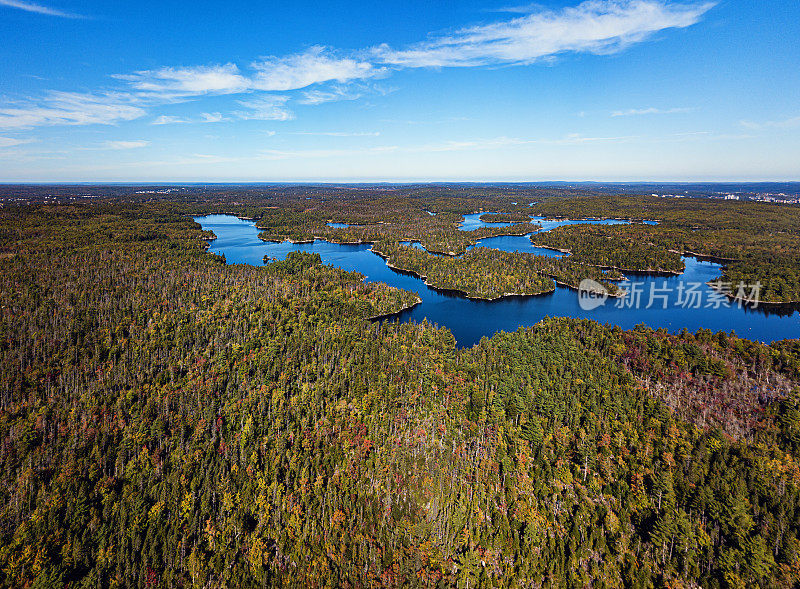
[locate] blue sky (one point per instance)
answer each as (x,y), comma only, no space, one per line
(614,90)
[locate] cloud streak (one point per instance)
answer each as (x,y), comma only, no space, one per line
(11,142)
(792,123)
(71,108)
(314,66)
(119,145)
(595,26)
(266,108)
(336,133)
(314,97)
(38,8)
(170,82)
(650,111)
(169,120)
(206,117)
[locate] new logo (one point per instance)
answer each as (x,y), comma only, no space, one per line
(591,294)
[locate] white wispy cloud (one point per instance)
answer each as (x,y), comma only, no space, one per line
(650,111)
(206,117)
(577,139)
(504,142)
(442,121)
(315,65)
(169,120)
(595,26)
(694,136)
(522,9)
(275,154)
(117,145)
(784,124)
(212,117)
(314,97)
(12,141)
(71,108)
(337,133)
(266,108)
(178,82)
(38,8)
(476,144)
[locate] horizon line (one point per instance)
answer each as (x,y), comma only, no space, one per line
(373,182)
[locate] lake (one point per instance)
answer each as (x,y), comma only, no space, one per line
(473,221)
(470,320)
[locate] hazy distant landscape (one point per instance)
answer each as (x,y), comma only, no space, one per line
(780,192)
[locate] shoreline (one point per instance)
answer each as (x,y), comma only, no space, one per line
(751,304)
(647,272)
(456,291)
(395,313)
(620,295)
(707,257)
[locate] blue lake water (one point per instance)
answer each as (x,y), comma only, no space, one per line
(342,225)
(470,320)
(506,243)
(548,224)
(522,243)
(473,221)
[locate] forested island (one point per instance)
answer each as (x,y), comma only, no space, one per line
(168,419)
(483,273)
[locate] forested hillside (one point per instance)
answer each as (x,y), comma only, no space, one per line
(168,420)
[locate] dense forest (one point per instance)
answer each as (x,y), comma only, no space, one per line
(169,420)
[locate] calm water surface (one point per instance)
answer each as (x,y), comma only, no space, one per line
(473,221)
(470,320)
(522,243)
(342,225)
